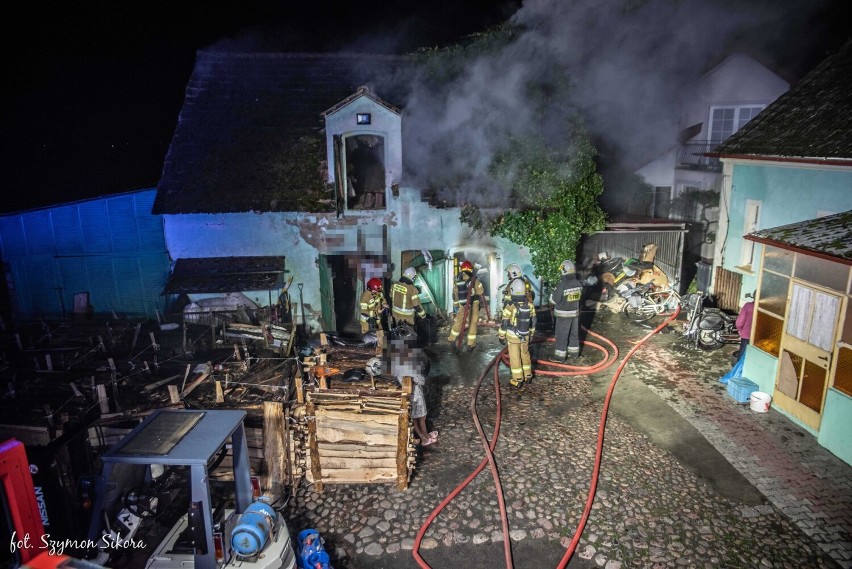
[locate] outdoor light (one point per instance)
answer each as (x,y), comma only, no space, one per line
(362,118)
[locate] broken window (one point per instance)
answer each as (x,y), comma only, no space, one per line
(365,171)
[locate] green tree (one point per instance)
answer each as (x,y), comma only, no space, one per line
(557,191)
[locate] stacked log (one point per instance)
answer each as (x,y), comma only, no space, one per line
(354,437)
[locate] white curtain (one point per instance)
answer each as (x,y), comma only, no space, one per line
(826,307)
(799,314)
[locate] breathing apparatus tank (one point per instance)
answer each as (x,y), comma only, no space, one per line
(254,530)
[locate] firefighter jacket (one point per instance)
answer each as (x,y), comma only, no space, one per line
(405,301)
(566,297)
(507,291)
(518,319)
(372,305)
(467,289)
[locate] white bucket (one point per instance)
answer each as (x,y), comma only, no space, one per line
(759,401)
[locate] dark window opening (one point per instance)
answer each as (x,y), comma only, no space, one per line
(365,172)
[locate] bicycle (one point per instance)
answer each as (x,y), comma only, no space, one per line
(646,301)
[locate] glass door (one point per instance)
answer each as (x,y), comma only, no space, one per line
(807,345)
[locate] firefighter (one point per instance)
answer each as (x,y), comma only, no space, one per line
(566,308)
(513,272)
(405,299)
(373,304)
(516,330)
(468,293)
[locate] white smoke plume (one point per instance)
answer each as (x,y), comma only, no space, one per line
(628,63)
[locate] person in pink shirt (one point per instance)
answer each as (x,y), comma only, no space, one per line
(744,324)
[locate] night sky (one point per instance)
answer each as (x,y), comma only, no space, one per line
(92,90)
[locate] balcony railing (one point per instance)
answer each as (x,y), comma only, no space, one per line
(692,156)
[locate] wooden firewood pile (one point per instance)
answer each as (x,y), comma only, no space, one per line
(354,432)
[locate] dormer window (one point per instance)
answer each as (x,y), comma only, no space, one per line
(365,171)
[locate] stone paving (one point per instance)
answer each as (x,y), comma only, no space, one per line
(649,511)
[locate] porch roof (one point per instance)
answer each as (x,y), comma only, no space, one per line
(225,274)
(829,237)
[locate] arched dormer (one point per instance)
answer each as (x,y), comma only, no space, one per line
(364,147)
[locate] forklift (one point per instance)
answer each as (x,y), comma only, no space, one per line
(169,469)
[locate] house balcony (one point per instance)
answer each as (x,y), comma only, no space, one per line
(692,156)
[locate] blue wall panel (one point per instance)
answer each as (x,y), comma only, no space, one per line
(66,226)
(12,236)
(113,248)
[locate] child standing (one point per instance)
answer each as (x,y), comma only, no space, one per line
(409,360)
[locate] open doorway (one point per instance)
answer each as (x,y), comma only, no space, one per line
(365,171)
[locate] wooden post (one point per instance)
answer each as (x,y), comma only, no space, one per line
(220,395)
(237,356)
(183,330)
(102,398)
(313,446)
(48,362)
(212,334)
(174,396)
(154,345)
(288,466)
(185,375)
(402,438)
(300,388)
(136,333)
(273,446)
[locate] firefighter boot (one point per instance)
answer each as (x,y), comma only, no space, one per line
(516,382)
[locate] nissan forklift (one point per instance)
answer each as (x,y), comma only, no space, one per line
(170,472)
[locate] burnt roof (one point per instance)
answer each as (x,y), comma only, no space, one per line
(250,134)
(225,274)
(812,121)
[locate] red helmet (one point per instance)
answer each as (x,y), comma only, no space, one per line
(466,266)
(374,284)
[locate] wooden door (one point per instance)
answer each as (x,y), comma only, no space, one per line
(807,345)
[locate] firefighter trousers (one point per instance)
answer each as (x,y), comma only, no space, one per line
(567,336)
(472,321)
(520,362)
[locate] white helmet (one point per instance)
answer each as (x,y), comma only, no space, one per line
(513,270)
(410,273)
(519,288)
(567,267)
(374,366)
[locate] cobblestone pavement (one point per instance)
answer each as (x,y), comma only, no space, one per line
(652,508)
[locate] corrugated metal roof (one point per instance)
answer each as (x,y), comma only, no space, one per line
(249,136)
(812,121)
(225,274)
(829,236)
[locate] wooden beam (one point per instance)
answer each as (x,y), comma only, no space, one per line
(273,446)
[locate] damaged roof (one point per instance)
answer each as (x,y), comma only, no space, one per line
(811,122)
(225,274)
(829,236)
(250,133)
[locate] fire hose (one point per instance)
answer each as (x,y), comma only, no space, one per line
(488,446)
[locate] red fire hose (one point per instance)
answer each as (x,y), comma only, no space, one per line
(488,446)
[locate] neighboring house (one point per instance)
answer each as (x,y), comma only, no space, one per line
(792,163)
(291,156)
(685,182)
(104,255)
(783,233)
(802,333)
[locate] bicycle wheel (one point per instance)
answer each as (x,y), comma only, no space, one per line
(645,311)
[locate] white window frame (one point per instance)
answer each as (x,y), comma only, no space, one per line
(751,223)
(738,121)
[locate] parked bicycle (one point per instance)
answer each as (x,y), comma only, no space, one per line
(645,301)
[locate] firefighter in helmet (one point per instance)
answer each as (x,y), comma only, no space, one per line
(468,294)
(373,303)
(566,308)
(405,299)
(513,273)
(516,330)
